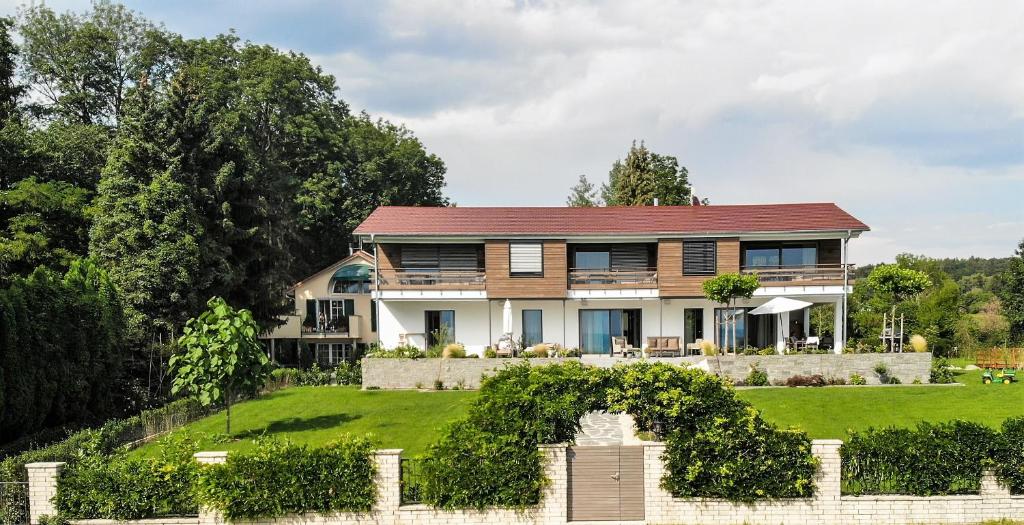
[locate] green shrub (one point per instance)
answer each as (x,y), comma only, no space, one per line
(398,352)
(106,439)
(678,397)
(756,377)
(1008,455)
(490,353)
(280,478)
(470,467)
(857,379)
(932,459)
(940,372)
(314,376)
(119,487)
(811,380)
(349,373)
(742,458)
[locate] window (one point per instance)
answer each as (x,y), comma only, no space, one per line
(332,354)
(328,315)
(597,327)
(440,327)
(699,258)
(693,325)
(533,327)
(351,286)
(526,258)
(779,255)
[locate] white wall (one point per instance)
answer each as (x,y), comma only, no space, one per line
(407,317)
(478,323)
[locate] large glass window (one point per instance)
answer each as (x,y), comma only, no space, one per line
(779,255)
(761,257)
(724,329)
(533,327)
(332,354)
(440,327)
(592,259)
(597,327)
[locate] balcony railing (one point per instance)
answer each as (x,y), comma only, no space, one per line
(813,274)
(417,278)
(346,325)
(627,278)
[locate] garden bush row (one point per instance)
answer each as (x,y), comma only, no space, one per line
(276,479)
(344,374)
(106,439)
(933,458)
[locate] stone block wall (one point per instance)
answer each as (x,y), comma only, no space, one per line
(828,506)
(467,373)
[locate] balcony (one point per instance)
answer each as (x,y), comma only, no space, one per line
(431,279)
(800,275)
(631,278)
(347,326)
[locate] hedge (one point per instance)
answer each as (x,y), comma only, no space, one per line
(931,459)
(280,478)
(121,487)
(108,438)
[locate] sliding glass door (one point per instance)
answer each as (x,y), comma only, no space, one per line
(597,327)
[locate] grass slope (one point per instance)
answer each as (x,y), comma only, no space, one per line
(829,412)
(316,415)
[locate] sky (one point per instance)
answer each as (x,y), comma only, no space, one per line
(909,115)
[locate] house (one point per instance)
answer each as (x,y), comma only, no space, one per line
(334,317)
(580,276)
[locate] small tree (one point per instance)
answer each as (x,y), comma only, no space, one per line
(728,287)
(897,284)
(221,358)
(583,194)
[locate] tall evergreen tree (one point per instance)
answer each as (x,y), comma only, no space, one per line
(1012,294)
(583,194)
(644,176)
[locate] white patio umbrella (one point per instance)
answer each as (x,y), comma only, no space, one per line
(777,306)
(506,317)
(780,305)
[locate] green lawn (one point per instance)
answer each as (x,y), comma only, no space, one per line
(411,420)
(315,415)
(829,412)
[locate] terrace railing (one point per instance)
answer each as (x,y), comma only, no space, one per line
(348,324)
(581,278)
(433,278)
(809,274)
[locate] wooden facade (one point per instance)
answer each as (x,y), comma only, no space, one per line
(672,282)
(502,285)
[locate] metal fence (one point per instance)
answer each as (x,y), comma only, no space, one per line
(13,503)
(412,481)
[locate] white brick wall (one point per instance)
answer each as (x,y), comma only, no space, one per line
(827,507)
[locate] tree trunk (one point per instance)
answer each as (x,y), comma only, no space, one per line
(227,399)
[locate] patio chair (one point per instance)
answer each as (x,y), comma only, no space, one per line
(694,347)
(811,343)
(619,346)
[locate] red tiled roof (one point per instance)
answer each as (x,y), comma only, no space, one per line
(615,220)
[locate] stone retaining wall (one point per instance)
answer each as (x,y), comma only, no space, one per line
(466,373)
(827,507)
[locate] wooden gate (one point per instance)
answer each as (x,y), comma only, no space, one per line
(606,483)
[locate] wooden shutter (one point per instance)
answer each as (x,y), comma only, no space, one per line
(699,258)
(350,307)
(628,256)
(526,258)
(416,256)
(458,257)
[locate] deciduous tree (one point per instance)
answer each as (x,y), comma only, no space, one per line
(583,194)
(1012,294)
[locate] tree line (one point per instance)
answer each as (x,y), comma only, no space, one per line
(182,169)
